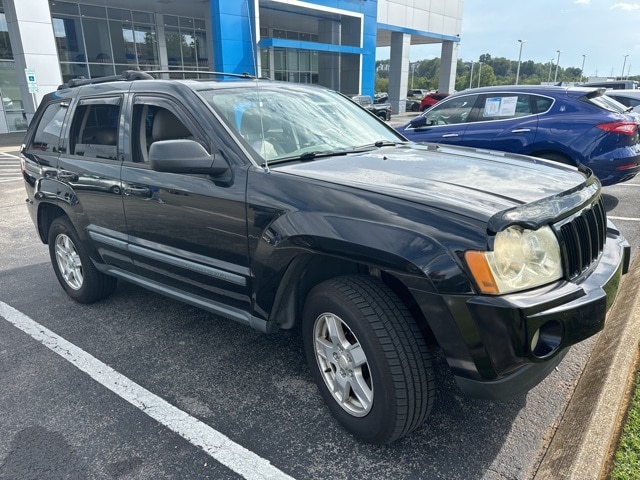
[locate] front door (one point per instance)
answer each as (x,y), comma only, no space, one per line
(186,231)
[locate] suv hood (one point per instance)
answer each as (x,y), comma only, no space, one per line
(472,182)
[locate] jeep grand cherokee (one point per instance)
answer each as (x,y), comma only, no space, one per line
(288,206)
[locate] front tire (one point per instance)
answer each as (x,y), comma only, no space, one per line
(75,271)
(368,357)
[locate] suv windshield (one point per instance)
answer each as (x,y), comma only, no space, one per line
(283,122)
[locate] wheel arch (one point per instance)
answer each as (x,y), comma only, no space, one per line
(47,213)
(307,271)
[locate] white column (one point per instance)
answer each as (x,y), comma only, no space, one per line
(399,71)
(34,47)
(448,67)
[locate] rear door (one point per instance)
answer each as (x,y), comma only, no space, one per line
(505,121)
(89,166)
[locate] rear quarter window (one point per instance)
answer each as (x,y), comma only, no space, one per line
(49,129)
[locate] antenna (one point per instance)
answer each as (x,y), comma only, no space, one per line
(253,27)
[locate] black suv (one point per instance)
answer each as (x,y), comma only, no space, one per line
(281,206)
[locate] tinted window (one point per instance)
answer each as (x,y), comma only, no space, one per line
(48,131)
(542,104)
(94,131)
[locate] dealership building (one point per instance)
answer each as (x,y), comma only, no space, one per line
(332,43)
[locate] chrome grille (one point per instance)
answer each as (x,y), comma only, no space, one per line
(582,238)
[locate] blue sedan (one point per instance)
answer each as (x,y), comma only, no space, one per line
(576,126)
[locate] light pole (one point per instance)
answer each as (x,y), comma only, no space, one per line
(623,65)
(413,72)
(555,77)
(479,73)
(522,42)
(584,57)
(471,74)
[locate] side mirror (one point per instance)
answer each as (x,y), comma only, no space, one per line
(419,121)
(185,156)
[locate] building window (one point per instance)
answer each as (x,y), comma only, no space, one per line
(290,65)
(10,96)
(186,40)
(97,41)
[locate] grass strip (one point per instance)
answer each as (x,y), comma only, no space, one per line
(626,465)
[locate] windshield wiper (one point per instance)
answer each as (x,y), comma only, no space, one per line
(307,156)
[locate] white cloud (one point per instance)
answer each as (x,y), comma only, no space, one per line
(582,2)
(625,6)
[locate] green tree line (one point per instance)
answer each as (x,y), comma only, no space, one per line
(492,71)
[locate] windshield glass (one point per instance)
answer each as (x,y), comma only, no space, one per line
(286,121)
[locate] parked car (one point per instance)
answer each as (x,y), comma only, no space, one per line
(417,93)
(380,110)
(431,99)
(576,126)
(281,206)
(614,84)
(629,98)
(410,105)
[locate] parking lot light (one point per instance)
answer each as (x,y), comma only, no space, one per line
(555,77)
(522,42)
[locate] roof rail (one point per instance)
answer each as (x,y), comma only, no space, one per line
(130,75)
(200,72)
(126,75)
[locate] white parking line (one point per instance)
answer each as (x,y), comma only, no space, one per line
(219,446)
(630,219)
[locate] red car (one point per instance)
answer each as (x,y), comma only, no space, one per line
(431,99)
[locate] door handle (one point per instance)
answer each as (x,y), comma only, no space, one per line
(137,190)
(66,176)
(521,130)
(450,135)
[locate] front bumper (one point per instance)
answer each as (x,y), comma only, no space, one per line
(510,356)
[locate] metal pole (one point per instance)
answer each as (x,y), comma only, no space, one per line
(623,65)
(584,57)
(522,42)
(413,71)
(471,74)
(555,77)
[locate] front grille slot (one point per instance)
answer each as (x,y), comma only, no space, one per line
(582,238)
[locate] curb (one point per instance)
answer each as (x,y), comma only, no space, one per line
(588,433)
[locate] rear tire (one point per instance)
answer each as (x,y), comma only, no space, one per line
(75,271)
(368,357)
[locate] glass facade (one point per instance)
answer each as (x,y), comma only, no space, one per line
(289,64)
(10,96)
(186,40)
(96,41)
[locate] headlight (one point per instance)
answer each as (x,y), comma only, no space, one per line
(521,259)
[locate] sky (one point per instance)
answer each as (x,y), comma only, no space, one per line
(603,30)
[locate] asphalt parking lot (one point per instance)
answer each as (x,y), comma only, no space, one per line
(140,386)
